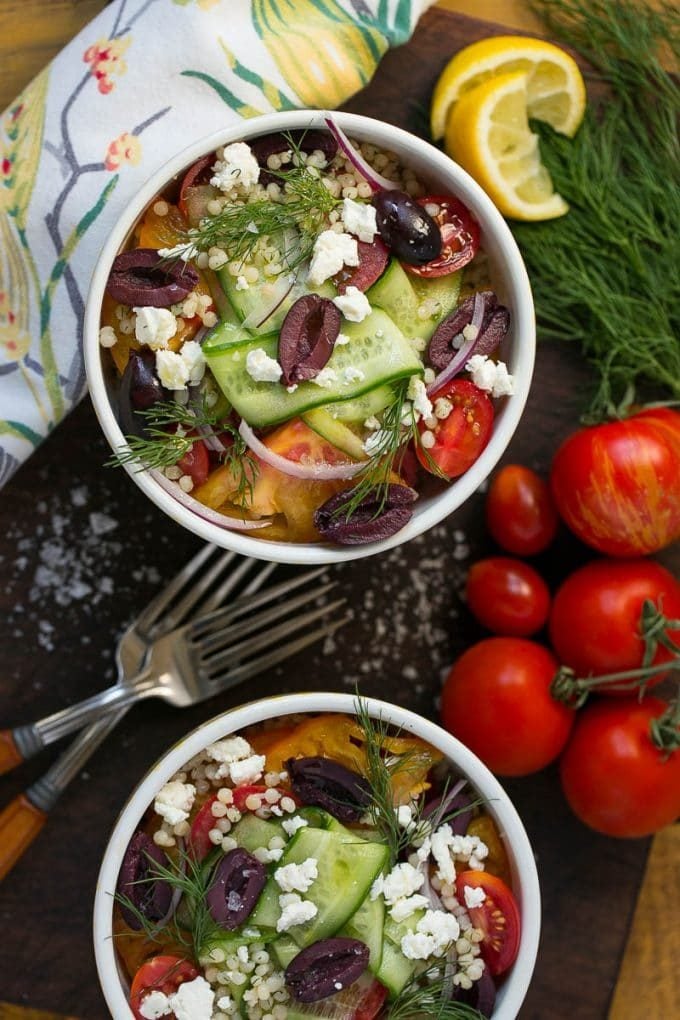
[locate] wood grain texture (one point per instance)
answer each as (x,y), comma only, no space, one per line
(20,823)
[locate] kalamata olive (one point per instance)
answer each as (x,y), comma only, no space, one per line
(238,881)
(373,519)
(325,968)
(307,336)
(139,390)
(327,784)
(150,896)
(140,277)
(482,995)
(495,322)
(407,228)
(441,809)
(279,142)
(373,258)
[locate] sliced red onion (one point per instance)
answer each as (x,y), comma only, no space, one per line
(463,355)
(200,335)
(426,889)
(314,472)
(376,180)
(284,285)
(205,512)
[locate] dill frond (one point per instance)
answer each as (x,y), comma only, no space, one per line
(428,998)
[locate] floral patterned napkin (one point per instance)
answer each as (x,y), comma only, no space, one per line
(143,80)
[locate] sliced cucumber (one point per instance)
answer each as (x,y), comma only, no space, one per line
(335,432)
(286,949)
(401,296)
(363,407)
(378,348)
(253,832)
(367,926)
(395,970)
(444,290)
(264,305)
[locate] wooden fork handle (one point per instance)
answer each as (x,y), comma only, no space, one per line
(20,823)
(10,755)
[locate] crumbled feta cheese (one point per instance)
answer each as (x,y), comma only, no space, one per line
(331,252)
(294,910)
(266,856)
(193,1000)
(341,339)
(241,283)
(154,326)
(237,168)
(185,252)
(193,357)
(297,877)
(247,770)
(172,370)
(376,441)
(326,378)
(154,1005)
(490,375)
(261,367)
(352,374)
(441,842)
(424,850)
(174,802)
(403,908)
(359,218)
(434,933)
(291,825)
(353,304)
(417,392)
(107,336)
(228,750)
(372,423)
(474,896)
(403,880)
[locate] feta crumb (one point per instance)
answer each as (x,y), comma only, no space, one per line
(294,910)
(154,326)
(403,880)
(326,378)
(474,896)
(341,339)
(417,392)
(193,1000)
(352,374)
(185,252)
(193,357)
(172,370)
(154,1005)
(407,906)
(376,441)
(265,855)
(291,825)
(359,218)
(237,168)
(261,367)
(434,933)
(247,770)
(107,336)
(241,283)
(490,375)
(331,252)
(297,877)
(228,750)
(441,843)
(174,802)
(353,304)
(372,423)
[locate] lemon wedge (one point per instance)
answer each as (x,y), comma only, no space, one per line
(488,134)
(555,89)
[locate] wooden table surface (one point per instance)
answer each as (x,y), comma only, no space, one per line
(81,551)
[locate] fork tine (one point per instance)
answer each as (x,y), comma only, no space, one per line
(234,676)
(230,583)
(243,605)
(265,639)
(258,580)
(149,616)
(219,636)
(178,613)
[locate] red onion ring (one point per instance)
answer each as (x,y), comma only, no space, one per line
(314,472)
(205,512)
(376,180)
(461,356)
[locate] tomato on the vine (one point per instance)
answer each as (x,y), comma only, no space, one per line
(159,974)
(497,700)
(520,513)
(617,485)
(460,237)
(507,596)
(460,438)
(595,617)
(614,777)
(497,917)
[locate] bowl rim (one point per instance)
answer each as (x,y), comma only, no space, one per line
(525,875)
(463,186)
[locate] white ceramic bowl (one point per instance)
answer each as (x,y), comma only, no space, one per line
(524,875)
(510,280)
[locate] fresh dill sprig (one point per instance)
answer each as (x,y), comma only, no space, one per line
(430,998)
(607,274)
(159,448)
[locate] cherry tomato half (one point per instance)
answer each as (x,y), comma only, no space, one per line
(198,841)
(595,618)
(373,257)
(460,237)
(460,438)
(497,917)
(617,485)
(520,513)
(507,596)
(196,463)
(613,776)
(497,700)
(159,974)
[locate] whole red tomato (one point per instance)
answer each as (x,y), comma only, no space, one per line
(497,701)
(615,779)
(617,485)
(595,617)
(520,513)
(507,596)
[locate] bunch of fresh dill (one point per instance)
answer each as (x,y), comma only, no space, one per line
(607,274)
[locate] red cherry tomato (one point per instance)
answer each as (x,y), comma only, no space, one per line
(460,438)
(373,257)
(371,1002)
(497,918)
(196,463)
(497,700)
(199,173)
(615,779)
(617,486)
(460,237)
(507,596)
(198,841)
(160,974)
(520,513)
(595,618)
